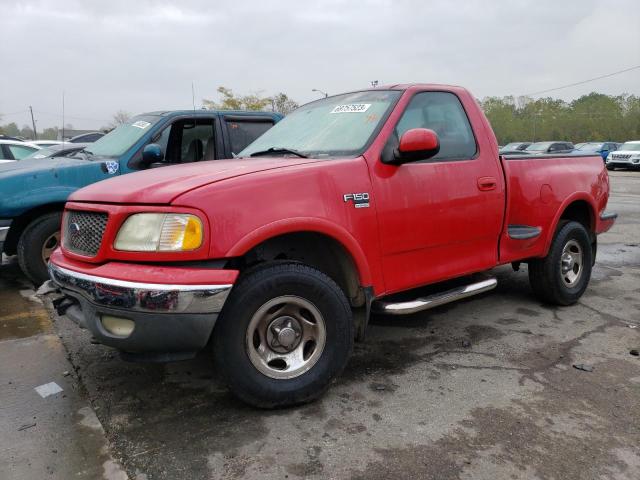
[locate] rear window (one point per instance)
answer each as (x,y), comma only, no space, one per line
(244,132)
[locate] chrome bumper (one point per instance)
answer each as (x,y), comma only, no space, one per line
(141,297)
(4,231)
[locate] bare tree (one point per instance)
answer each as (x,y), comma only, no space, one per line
(281,103)
(120,117)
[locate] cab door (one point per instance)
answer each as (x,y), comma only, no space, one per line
(441,217)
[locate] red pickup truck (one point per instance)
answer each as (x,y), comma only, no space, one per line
(275,259)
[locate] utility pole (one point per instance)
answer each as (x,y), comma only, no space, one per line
(33,122)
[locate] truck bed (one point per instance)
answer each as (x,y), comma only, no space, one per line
(538,189)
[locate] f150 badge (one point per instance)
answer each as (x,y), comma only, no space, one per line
(360,200)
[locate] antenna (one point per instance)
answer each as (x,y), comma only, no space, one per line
(62,116)
(193,96)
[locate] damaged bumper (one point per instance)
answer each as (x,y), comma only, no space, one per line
(142,316)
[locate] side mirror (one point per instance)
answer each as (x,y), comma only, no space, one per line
(417,144)
(151,153)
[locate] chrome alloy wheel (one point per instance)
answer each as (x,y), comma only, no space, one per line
(286,337)
(49,245)
(571,263)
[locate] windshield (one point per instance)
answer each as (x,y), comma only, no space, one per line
(589,147)
(538,147)
(334,126)
(122,138)
(630,147)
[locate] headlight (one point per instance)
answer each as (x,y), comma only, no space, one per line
(159,232)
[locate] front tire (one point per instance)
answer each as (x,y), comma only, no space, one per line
(37,242)
(284,334)
(563,275)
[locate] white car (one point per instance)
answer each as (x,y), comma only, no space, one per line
(45,143)
(11,150)
(627,156)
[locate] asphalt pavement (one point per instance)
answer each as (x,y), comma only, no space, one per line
(486,388)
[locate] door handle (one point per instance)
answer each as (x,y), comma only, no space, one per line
(487,183)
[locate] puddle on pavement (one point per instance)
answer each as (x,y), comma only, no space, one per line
(19,316)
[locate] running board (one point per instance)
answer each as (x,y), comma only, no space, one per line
(435,300)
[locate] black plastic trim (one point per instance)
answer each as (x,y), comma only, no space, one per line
(523,232)
(546,156)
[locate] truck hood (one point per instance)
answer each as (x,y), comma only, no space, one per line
(160,186)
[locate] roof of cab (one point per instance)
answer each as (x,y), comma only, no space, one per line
(167,113)
(406,86)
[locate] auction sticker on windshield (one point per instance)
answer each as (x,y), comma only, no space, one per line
(140,124)
(351,108)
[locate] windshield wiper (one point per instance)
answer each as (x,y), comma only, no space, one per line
(271,150)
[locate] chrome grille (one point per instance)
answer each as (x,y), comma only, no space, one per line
(83,231)
(619,156)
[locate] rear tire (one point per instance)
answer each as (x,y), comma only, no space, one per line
(563,275)
(36,243)
(286,331)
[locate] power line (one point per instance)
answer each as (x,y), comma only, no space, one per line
(582,82)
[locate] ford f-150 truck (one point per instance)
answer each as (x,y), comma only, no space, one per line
(349,205)
(33,191)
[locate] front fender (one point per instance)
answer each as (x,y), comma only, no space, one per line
(306,224)
(24,201)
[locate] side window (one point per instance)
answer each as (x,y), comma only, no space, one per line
(186,141)
(441,112)
(198,141)
(18,151)
(242,133)
(163,139)
(4,154)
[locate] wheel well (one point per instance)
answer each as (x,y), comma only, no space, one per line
(580,211)
(20,223)
(314,249)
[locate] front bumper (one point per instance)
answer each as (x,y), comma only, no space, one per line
(5,225)
(623,163)
(167,318)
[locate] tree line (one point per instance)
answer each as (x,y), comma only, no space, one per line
(592,117)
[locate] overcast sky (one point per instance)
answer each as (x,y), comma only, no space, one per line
(142,55)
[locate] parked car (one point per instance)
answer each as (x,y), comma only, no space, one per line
(15,150)
(34,190)
(9,137)
(627,156)
(556,148)
(514,147)
(45,143)
(58,150)
(347,205)
(601,148)
(87,137)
